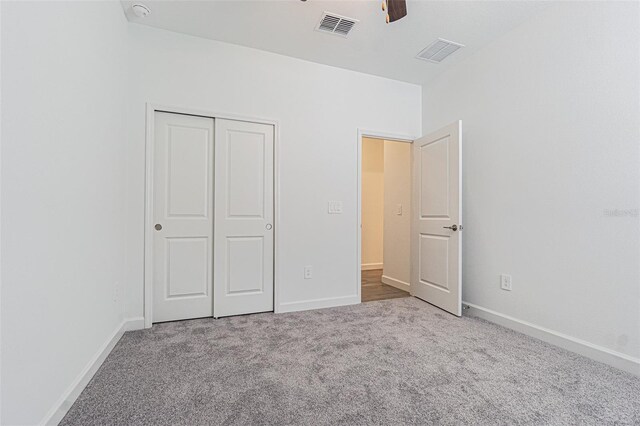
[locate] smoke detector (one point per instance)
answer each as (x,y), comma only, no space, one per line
(140,10)
(438,50)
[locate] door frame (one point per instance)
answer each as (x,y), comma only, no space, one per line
(396,137)
(151,109)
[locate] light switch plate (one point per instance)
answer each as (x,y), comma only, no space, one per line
(399,210)
(335,207)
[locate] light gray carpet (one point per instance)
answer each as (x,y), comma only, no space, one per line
(391,362)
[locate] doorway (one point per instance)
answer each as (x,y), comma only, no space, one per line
(434,215)
(209,237)
(385,218)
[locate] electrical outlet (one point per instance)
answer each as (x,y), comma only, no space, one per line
(308,272)
(334,207)
(505,282)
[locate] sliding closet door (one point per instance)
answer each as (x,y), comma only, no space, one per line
(243,228)
(182,217)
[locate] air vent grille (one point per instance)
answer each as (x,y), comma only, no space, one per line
(336,24)
(439,50)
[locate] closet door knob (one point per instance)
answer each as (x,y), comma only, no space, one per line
(158,227)
(269,226)
(453,227)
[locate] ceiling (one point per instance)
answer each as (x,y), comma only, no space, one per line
(288,27)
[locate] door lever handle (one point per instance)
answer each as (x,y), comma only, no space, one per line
(452,227)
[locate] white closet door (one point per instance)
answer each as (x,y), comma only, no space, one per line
(243,229)
(183,217)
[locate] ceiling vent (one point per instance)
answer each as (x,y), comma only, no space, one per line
(439,50)
(336,24)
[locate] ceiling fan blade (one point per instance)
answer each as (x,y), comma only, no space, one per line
(397,9)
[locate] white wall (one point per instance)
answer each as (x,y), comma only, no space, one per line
(63,180)
(73,127)
(373,176)
(397,227)
(319,109)
(551,119)
(0,214)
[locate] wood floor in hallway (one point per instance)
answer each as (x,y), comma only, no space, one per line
(374,289)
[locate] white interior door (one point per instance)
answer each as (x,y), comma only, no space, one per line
(183,217)
(243,247)
(436,238)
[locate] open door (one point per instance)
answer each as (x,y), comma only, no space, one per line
(436,273)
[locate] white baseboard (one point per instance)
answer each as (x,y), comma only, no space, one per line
(62,406)
(573,344)
(131,324)
(371,266)
(306,305)
(396,283)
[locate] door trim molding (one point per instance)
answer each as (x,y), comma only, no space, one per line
(151,109)
(378,135)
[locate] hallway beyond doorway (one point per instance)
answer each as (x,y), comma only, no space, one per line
(374,289)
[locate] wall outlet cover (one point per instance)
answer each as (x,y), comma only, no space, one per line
(308,272)
(335,207)
(505,282)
